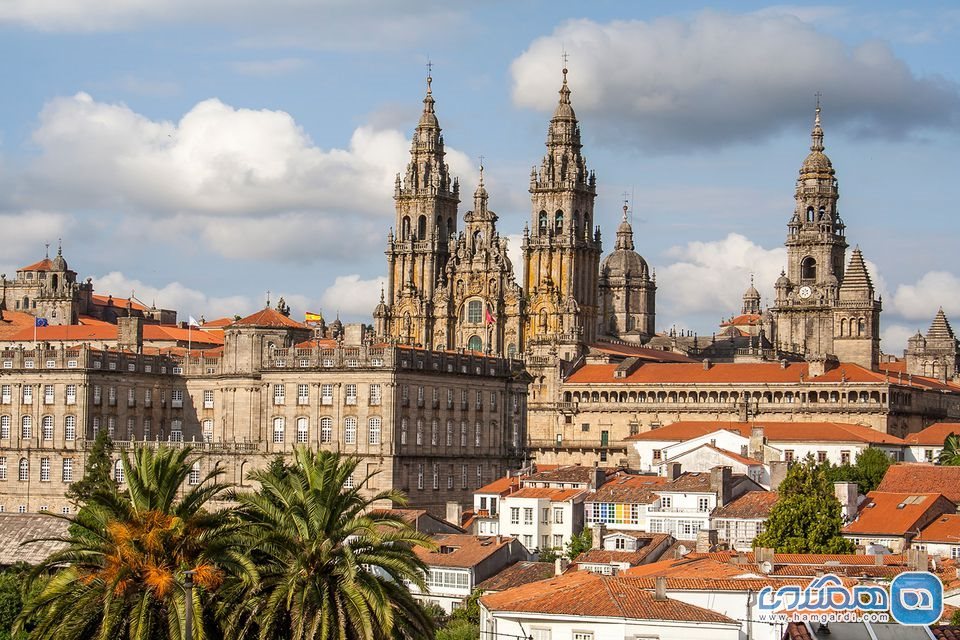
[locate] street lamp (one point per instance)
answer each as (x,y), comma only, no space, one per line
(188,616)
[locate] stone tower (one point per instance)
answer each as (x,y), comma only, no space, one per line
(856,317)
(627,291)
(561,249)
(479,307)
(418,249)
(809,290)
(751,301)
(937,354)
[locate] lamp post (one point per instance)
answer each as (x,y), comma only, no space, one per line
(188,616)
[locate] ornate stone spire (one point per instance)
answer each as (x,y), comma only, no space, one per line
(624,233)
(940,329)
(817,164)
(480,195)
(856,277)
(751,299)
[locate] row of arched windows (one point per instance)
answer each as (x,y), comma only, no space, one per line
(544,222)
(442,230)
(853,327)
(723,397)
(47,431)
(350,428)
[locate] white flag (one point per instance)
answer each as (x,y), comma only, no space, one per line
(192,322)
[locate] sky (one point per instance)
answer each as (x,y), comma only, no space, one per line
(201,153)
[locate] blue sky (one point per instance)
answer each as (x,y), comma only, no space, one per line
(202,152)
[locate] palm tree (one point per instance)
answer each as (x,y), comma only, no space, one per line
(331,566)
(119,576)
(950,454)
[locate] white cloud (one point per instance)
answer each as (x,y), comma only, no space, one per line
(920,300)
(284,195)
(25,233)
(276,67)
(515,253)
(352,296)
(714,79)
(893,338)
(710,277)
(174,295)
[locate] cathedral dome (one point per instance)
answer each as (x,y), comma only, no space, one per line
(783,282)
(564,110)
(59,263)
(817,161)
(624,260)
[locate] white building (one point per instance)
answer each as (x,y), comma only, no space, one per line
(460,563)
(487,502)
(941,537)
(707,456)
(684,504)
(926,445)
(580,605)
(614,552)
(622,503)
(542,518)
(741,520)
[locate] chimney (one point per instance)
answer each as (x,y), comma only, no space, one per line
(130,333)
(454,513)
(917,559)
(660,588)
(706,364)
(847,493)
(707,540)
(757,440)
(597,477)
(599,530)
(560,565)
(720,482)
(673,470)
(778,471)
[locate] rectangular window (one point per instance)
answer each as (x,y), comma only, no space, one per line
(821,456)
(4,427)
(558,540)
(303,394)
(148,397)
(279,394)
(514,515)
(558,515)
(48,397)
(146,429)
(463,476)
(112,427)
(528,541)
(583,635)
(27,394)
(788,455)
(131,397)
(703,505)
(449,433)
(71,394)
(112,395)
(477,428)
(5,394)
(3,468)
(436,476)
(28,364)
(44,469)
(302,430)
(419,476)
(374,427)
(375,394)
(666,502)
(176,398)
(419,431)
(494,395)
(545,519)
(463,433)
(67,471)
(544,541)
(479,400)
(404,426)
(527,515)
(433,432)
(326,394)
(208,399)
(350,430)
(351,394)
(845,457)
(326,430)
(657,455)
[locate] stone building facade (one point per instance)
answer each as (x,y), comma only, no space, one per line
(435,425)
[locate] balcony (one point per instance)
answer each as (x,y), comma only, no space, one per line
(71,400)
(350,400)
(208,404)
(301,400)
(48,400)
(326,400)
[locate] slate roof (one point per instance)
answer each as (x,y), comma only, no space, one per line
(517,574)
(15,529)
(751,505)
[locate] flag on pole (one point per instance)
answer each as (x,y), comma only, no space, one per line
(489,316)
(192,322)
(41,322)
(310,316)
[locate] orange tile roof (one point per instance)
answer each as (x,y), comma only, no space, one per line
(106,332)
(898,366)
(500,486)
(749,319)
(582,593)
(269,317)
(946,529)
(108,300)
(650,542)
(773,431)
(628,489)
(44,265)
(554,495)
(14,322)
(934,435)
(568,473)
(636,351)
(219,322)
(894,514)
(924,478)
(313,343)
(462,550)
(808,559)
(518,574)
(752,504)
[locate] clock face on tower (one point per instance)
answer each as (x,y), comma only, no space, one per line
(805,292)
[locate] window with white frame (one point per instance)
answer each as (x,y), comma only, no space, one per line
(97,394)
(436,475)
(326,394)
(419,431)
(583,635)
(326,429)
(46,428)
(4,394)
(27,394)
(373,428)
(558,515)
(71,394)
(44,469)
(449,433)
(28,364)
(419,476)
(479,475)
(208,398)
(463,476)
(404,425)
(703,504)
(207,428)
(494,395)
(95,425)
(278,428)
(463,433)
(479,400)
(303,394)
(4,427)
(176,430)
(131,397)
(279,394)
(3,467)
(112,395)
(528,515)
(477,428)
(433,431)
(666,502)
(176,398)
(26,427)
(350,430)
(146,429)
(48,394)
(375,394)
(23,473)
(111,427)
(194,477)
(348,483)
(118,471)
(147,397)
(350,394)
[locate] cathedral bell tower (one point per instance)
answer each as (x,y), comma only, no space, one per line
(418,249)
(561,248)
(810,288)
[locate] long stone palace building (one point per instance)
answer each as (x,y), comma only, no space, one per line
(465,373)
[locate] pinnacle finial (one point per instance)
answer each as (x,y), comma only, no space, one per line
(46,253)
(59,246)
(817,134)
(268,297)
(481,171)
(429,76)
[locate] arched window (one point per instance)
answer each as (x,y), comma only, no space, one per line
(373,429)
(543,226)
(543,320)
(475,311)
(475,344)
(450,227)
(808,269)
(326,429)
(208,430)
(26,427)
(4,427)
(193,478)
(843,326)
(47,428)
(24,471)
(278,428)
(558,221)
(861,327)
(421,227)
(118,471)
(586,224)
(350,430)
(823,213)
(811,215)
(53,281)
(303,430)
(576,223)
(440,232)
(405,228)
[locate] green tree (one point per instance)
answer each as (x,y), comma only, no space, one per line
(807,516)
(579,542)
(549,554)
(97,471)
(459,630)
(950,454)
(118,578)
(330,566)
(11,601)
(470,611)
(871,466)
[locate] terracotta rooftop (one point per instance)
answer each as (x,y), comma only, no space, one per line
(698,482)
(44,265)
(752,504)
(650,542)
(748,319)
(893,514)
(462,550)
(108,300)
(582,593)
(934,435)
(521,573)
(500,486)
(269,317)
(944,529)
(628,489)
(923,478)
(772,431)
(14,322)
(567,473)
(943,632)
(107,332)
(16,529)
(809,559)
(554,495)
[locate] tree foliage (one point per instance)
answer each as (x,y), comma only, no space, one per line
(950,454)
(11,601)
(459,630)
(807,516)
(330,566)
(127,551)
(867,471)
(579,542)
(97,472)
